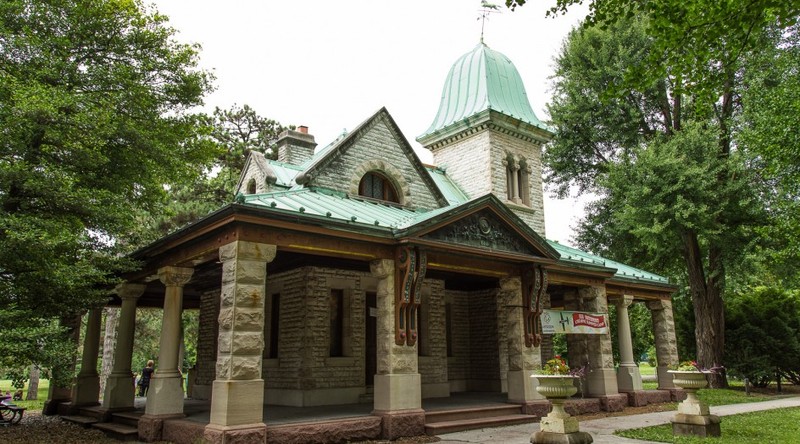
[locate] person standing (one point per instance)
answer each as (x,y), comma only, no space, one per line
(144,381)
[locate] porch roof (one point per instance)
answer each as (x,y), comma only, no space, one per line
(315,204)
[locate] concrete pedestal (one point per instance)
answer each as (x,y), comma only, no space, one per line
(629,378)
(561,438)
(119,392)
(695,425)
(397,392)
(86,391)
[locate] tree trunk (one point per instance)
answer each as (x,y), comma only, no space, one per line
(109,344)
(33,384)
(708,305)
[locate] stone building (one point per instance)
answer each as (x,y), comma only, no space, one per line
(354,274)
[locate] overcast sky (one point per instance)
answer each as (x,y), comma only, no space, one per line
(330,65)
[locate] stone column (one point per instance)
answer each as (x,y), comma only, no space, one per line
(522,360)
(398,393)
(666,342)
(165,395)
(237,397)
(119,387)
(628,376)
(514,184)
(601,380)
(86,391)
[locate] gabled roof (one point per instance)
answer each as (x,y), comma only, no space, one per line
(328,154)
(622,271)
(451,191)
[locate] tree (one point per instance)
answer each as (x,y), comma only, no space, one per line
(763,330)
(698,38)
(95,111)
(674,196)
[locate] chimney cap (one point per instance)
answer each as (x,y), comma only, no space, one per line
(303,129)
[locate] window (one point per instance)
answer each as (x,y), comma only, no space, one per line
(377,186)
(274,324)
(251,186)
(336,305)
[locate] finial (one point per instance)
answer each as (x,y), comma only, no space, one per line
(486,9)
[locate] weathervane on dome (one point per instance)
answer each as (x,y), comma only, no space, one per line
(486,9)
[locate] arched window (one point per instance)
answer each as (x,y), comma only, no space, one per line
(377,186)
(251,186)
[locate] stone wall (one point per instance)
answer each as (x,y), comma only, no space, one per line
(206,344)
(380,145)
(465,161)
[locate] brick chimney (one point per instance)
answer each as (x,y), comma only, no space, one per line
(295,147)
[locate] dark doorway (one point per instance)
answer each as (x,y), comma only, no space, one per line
(371,354)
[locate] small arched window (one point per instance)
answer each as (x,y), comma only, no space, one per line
(251,186)
(377,186)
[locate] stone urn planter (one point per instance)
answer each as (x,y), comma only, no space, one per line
(558,426)
(693,417)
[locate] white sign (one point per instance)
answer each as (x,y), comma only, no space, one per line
(573,322)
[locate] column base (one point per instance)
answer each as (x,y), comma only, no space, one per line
(152,426)
(237,403)
(601,382)
(241,434)
(56,397)
(561,438)
(695,425)
(522,387)
(165,396)
(395,392)
(86,390)
(119,392)
(629,378)
(399,424)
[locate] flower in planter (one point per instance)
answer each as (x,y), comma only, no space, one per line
(692,366)
(558,366)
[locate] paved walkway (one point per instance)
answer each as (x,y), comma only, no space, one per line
(602,430)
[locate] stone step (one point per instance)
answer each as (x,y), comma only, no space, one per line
(84,421)
(439,428)
(127,418)
(117,431)
(471,413)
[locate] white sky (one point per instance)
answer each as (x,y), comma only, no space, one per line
(331,64)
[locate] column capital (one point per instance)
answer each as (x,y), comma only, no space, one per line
(175,276)
(625,300)
(248,251)
(380,268)
(128,290)
(660,304)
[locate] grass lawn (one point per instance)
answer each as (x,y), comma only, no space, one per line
(38,403)
(771,426)
(646,370)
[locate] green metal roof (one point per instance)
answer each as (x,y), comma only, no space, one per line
(321,205)
(452,192)
(479,80)
(623,271)
(284,173)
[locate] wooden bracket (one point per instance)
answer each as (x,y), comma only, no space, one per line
(534,286)
(411,265)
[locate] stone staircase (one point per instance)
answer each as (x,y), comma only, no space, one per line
(456,420)
(124,426)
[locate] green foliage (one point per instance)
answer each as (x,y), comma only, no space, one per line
(763,335)
(95,111)
(744,428)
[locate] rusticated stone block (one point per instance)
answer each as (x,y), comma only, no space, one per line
(637,398)
(245,367)
(402,423)
(150,428)
(582,406)
(345,430)
(181,431)
(235,435)
(614,403)
(249,319)
(249,296)
(658,396)
(538,409)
